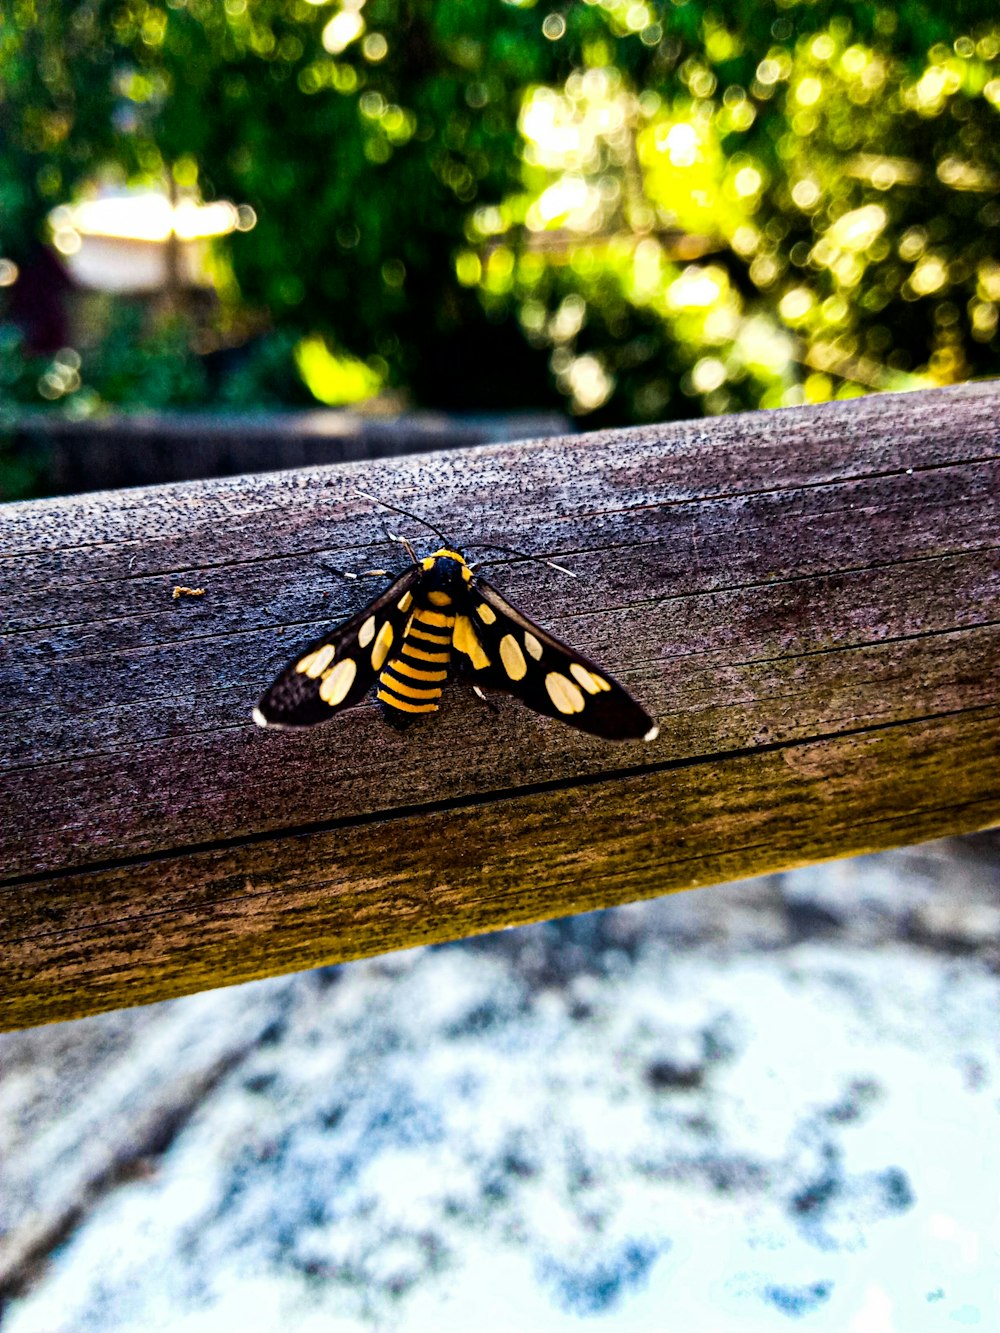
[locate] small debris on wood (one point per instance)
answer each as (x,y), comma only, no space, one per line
(181,591)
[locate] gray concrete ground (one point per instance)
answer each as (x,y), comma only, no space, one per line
(764,1105)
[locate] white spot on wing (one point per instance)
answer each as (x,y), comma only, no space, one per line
(465,641)
(367,632)
(512,658)
(383,642)
(591,683)
(533,646)
(316,663)
(336,685)
(566,696)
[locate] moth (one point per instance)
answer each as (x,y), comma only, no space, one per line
(438,617)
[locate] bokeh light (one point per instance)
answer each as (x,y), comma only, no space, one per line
(662,210)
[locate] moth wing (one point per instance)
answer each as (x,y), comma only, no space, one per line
(338,669)
(519,657)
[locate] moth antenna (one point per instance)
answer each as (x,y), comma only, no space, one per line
(561,568)
(521,555)
(406,514)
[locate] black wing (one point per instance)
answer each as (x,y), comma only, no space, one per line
(503,650)
(338,670)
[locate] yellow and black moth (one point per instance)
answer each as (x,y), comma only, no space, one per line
(436,617)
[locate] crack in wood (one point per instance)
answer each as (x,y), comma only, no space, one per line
(475,800)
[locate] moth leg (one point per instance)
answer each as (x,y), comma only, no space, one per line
(405,543)
(362,574)
(463,673)
(490,704)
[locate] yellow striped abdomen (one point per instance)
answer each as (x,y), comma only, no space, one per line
(412,680)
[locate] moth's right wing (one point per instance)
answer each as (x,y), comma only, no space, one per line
(502,649)
(337,670)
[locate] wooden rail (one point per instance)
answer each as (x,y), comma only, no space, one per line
(807,600)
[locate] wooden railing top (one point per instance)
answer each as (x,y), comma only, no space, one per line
(807,600)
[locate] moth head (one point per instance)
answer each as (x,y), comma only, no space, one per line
(448,565)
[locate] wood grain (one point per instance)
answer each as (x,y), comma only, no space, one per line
(808,600)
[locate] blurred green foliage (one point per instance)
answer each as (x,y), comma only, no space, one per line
(640,210)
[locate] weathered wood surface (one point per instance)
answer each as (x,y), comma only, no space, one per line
(808,601)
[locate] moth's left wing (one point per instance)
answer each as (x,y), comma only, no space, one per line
(338,670)
(503,650)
